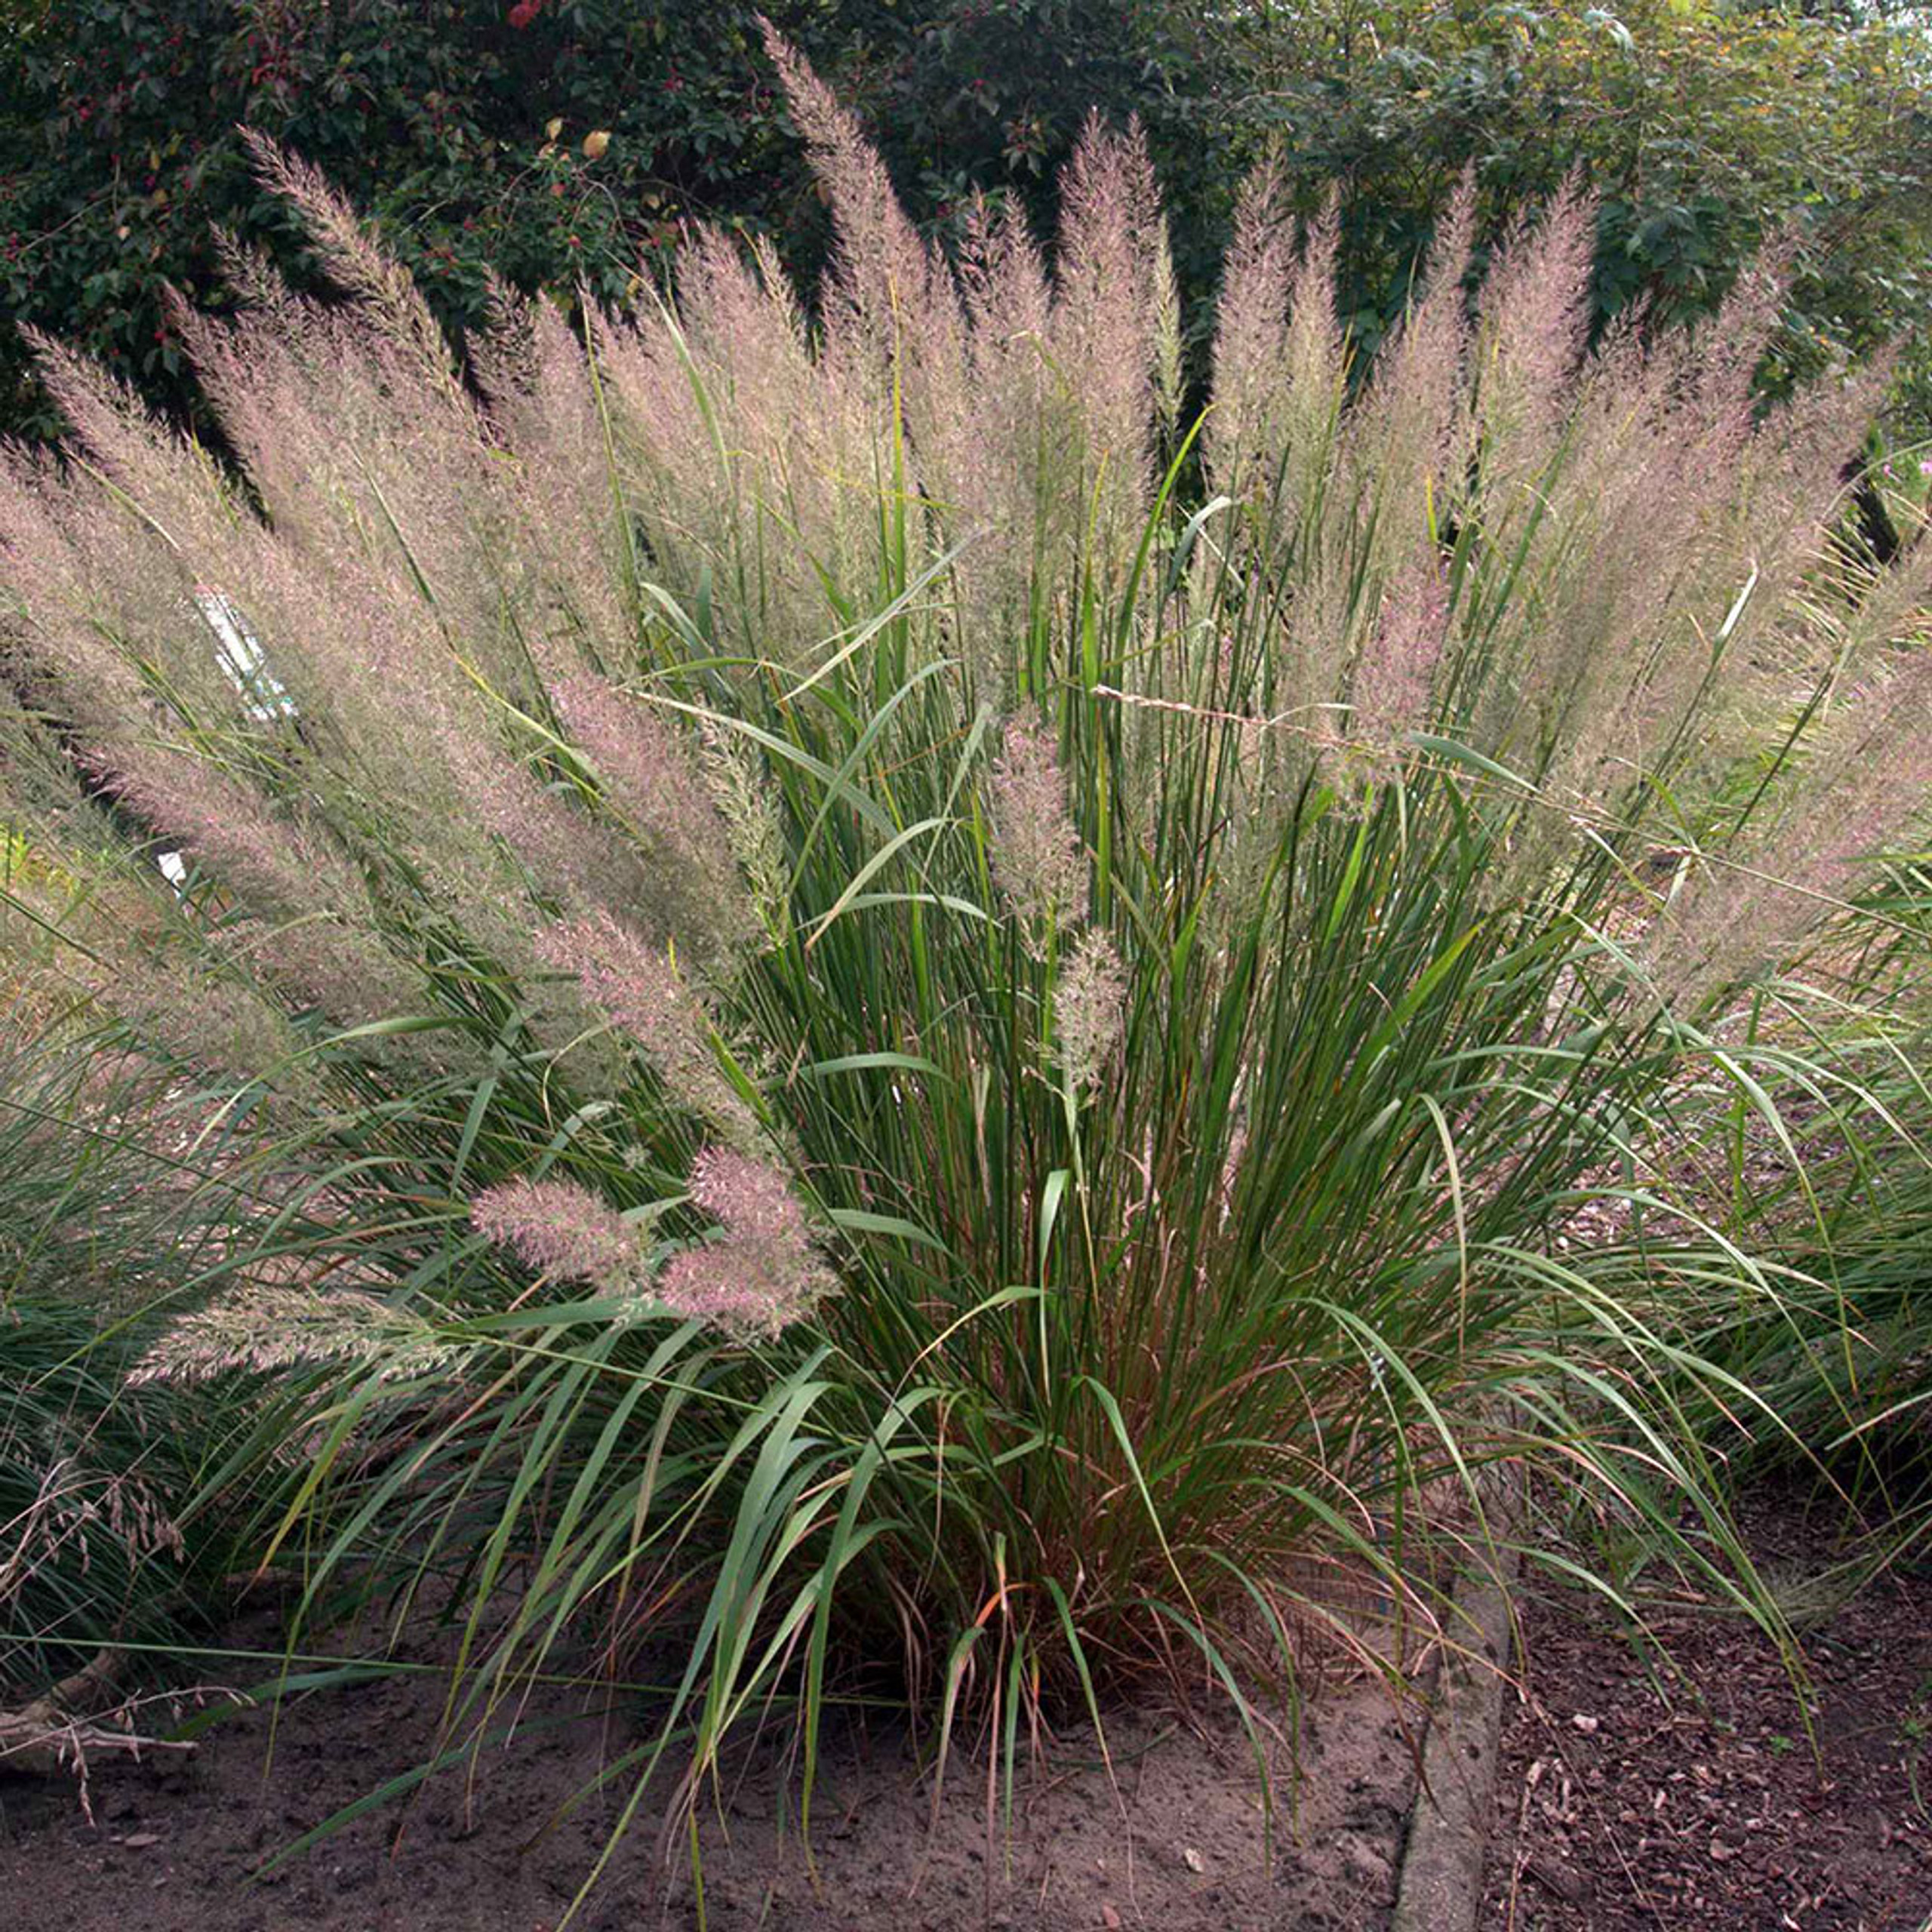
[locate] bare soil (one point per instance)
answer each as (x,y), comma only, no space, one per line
(1696,1800)
(1174,1840)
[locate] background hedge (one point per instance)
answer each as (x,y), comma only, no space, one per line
(459,126)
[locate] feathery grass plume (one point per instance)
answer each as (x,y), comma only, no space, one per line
(1535,322)
(1199,1202)
(1105,334)
(362,399)
(178,485)
(1392,690)
(765,1273)
(1169,346)
(265,1327)
(201,1018)
(656,782)
(749,460)
(641,988)
(87,921)
(1037,857)
(1410,444)
(108,615)
(1868,780)
(1005,467)
(227,827)
(577,586)
(753,825)
(349,976)
(561,1229)
(1250,337)
(49,593)
(352,261)
(1294,469)
(1662,670)
(891,309)
(1089,1010)
(1719,361)
(573,860)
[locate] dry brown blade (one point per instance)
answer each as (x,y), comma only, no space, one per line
(51,1735)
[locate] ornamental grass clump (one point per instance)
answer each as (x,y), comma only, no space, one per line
(103,1208)
(972,1015)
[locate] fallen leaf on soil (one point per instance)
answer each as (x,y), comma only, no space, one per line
(1558,1878)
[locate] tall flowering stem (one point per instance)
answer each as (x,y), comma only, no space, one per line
(641,988)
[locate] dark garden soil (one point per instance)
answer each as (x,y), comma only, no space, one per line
(173,1840)
(1615,1808)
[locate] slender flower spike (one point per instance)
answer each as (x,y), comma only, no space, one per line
(1089,1010)
(1395,678)
(653,778)
(764,1273)
(229,826)
(750,1197)
(267,1327)
(1037,856)
(561,1229)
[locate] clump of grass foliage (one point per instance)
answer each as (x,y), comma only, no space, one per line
(100,1546)
(92,1478)
(936,1018)
(1832,1186)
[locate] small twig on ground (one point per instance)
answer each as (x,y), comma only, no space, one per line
(53,1734)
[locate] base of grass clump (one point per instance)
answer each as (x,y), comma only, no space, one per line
(1172,1835)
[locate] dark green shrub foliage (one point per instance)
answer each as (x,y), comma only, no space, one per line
(1700,129)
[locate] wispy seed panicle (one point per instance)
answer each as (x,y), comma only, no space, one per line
(1394,675)
(656,781)
(637,986)
(1869,783)
(764,1272)
(1038,860)
(266,1326)
(1089,1010)
(560,1228)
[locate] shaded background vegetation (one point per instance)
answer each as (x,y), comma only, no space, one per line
(1702,127)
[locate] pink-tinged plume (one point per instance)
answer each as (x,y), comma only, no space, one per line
(1089,1007)
(1036,855)
(764,1273)
(639,988)
(1395,676)
(652,778)
(559,1229)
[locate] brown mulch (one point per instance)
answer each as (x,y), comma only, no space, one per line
(1617,1807)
